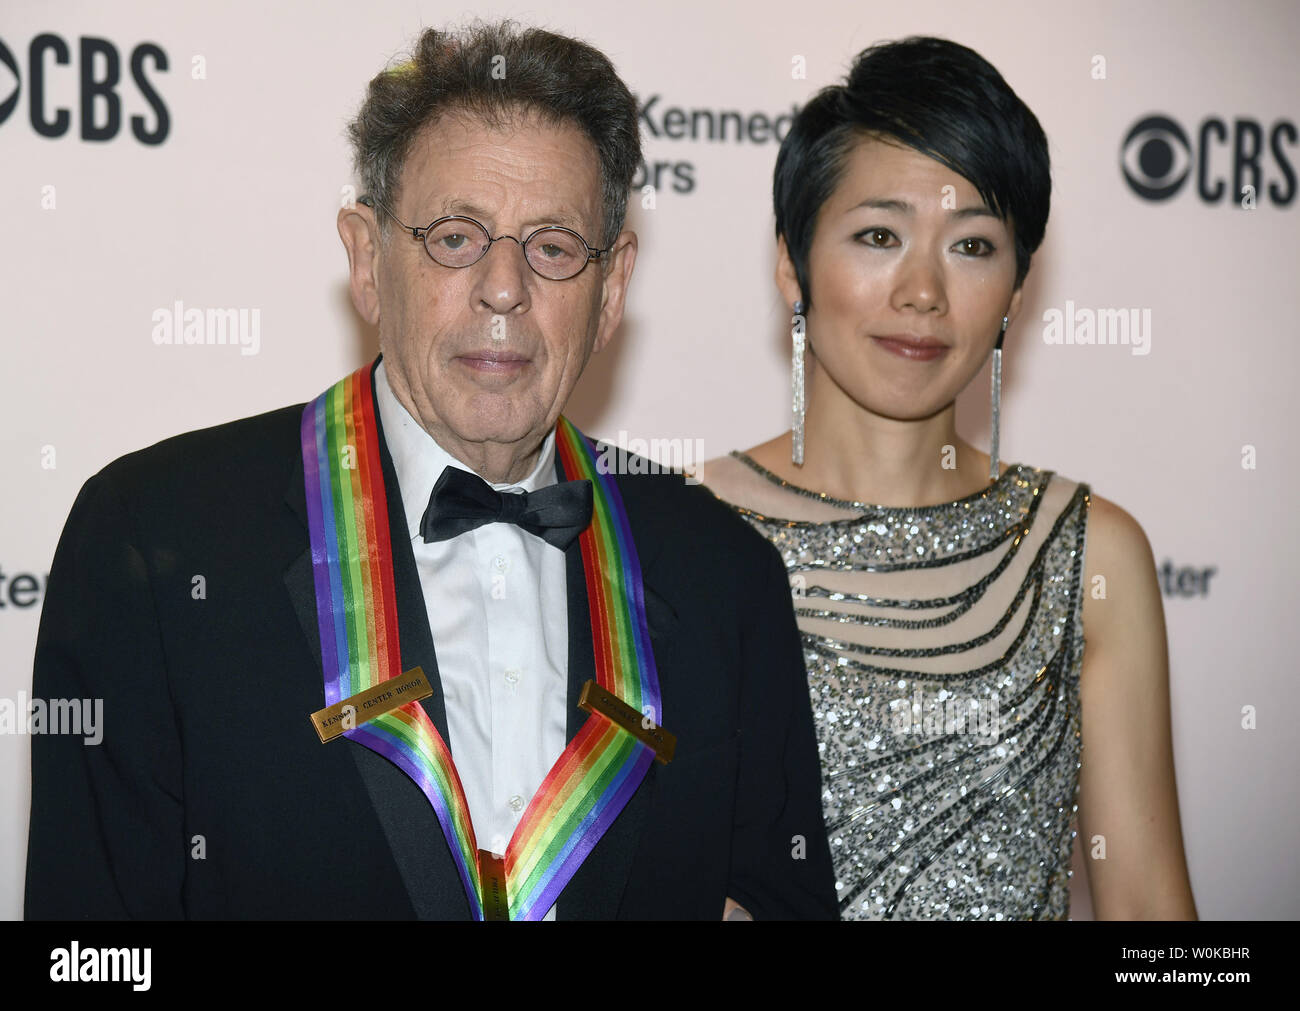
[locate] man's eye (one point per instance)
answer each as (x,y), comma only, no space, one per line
(551,250)
(454,241)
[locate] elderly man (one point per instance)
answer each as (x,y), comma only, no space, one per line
(446,664)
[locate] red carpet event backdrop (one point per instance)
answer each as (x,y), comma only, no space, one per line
(171,175)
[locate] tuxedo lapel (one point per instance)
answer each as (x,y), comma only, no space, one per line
(410,824)
(595,891)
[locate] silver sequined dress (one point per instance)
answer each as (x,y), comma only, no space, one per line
(943,647)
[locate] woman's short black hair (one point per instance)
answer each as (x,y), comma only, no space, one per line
(937,97)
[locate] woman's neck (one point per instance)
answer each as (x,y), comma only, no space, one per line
(851,453)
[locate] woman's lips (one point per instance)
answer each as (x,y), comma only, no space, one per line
(917,349)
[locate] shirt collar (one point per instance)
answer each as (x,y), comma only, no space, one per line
(419,461)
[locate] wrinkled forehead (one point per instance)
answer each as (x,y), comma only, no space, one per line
(469,158)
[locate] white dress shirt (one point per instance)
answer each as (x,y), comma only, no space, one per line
(497,602)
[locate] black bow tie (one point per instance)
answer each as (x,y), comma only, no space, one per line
(462,501)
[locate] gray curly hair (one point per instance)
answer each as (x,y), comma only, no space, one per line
(562,79)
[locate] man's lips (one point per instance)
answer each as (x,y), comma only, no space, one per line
(489,360)
(911,346)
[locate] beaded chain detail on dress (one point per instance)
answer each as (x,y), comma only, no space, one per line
(943,646)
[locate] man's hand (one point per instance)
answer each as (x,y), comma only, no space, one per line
(733,910)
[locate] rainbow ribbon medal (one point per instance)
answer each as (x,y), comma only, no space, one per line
(356,606)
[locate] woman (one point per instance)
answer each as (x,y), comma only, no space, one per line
(961,720)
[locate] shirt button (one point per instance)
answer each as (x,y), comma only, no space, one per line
(500,564)
(516,803)
(512,676)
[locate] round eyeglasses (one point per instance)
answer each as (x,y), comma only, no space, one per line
(554,252)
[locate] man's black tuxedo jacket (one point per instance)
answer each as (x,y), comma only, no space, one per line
(211,796)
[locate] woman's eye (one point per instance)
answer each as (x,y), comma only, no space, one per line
(974,247)
(876,236)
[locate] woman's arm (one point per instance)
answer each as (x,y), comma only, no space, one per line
(1127,793)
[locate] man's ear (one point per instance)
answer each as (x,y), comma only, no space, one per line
(787,281)
(360,234)
(614,283)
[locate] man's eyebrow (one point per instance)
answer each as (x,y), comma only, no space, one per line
(903,207)
(454,205)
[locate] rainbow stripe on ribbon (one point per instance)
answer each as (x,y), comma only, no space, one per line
(356,602)
(603,764)
(356,606)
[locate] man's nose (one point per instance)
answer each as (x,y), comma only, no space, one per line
(502,277)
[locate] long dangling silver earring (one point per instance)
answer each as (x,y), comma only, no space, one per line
(796,382)
(997,401)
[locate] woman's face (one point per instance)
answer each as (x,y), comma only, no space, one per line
(910,274)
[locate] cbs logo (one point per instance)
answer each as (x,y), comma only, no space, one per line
(1157,158)
(97,78)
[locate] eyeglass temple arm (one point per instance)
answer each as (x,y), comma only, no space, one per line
(371,202)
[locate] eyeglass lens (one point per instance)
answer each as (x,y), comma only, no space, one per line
(552,252)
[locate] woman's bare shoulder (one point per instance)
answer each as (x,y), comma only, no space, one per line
(1122,606)
(1116,539)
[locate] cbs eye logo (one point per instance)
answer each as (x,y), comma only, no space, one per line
(1234,160)
(1156,158)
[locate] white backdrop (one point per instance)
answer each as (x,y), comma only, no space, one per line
(236,209)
